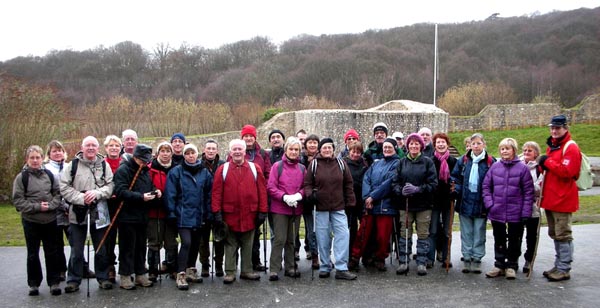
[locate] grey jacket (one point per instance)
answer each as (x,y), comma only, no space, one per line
(88,178)
(38,190)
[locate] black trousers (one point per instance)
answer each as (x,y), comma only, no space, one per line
(132,248)
(507,244)
(190,244)
(532,228)
(48,234)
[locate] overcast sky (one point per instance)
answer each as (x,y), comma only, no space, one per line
(34,27)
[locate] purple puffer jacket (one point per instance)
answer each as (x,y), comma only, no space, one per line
(508,191)
(290,182)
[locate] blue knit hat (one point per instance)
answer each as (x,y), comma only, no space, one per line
(178,136)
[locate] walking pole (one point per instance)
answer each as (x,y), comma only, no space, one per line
(394,242)
(450,223)
(212,255)
(406,238)
(537,239)
(312,269)
(88,236)
(118,209)
(159,244)
(294,238)
(265,240)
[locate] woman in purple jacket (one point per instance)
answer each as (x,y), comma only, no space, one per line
(286,189)
(508,195)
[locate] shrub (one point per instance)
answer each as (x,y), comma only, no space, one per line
(470,98)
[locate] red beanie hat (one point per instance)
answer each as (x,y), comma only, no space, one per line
(351,133)
(248,130)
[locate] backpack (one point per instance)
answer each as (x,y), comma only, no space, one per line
(25,180)
(280,168)
(75,164)
(226,167)
(585,179)
(313,166)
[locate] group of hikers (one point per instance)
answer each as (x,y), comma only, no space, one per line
(361,203)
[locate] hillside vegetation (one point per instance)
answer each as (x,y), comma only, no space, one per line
(552,55)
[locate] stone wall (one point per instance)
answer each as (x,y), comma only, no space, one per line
(525,115)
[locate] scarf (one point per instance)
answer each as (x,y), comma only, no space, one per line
(444,170)
(167,165)
(474,175)
(192,168)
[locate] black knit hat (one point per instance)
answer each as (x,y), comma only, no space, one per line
(326,140)
(392,141)
(276,131)
(143,152)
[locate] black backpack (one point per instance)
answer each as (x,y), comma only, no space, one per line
(75,164)
(25,179)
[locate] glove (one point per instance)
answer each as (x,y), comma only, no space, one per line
(261,218)
(297,197)
(218,217)
(410,189)
(454,195)
(293,204)
(542,161)
(288,199)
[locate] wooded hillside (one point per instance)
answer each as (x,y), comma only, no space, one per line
(556,54)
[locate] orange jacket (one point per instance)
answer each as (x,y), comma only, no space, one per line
(560,193)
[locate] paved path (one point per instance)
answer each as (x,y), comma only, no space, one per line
(372,289)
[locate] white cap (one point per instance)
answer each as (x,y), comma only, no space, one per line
(190,146)
(397,135)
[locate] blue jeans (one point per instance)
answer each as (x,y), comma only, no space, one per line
(472,237)
(337,222)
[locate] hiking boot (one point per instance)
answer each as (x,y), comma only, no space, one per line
(421,270)
(112,274)
(142,280)
(308,256)
(205,271)
(402,269)
(259,268)
(552,270)
(71,287)
(476,267)
(55,289)
(439,256)
(297,256)
(126,283)
(353,264)
(181,281)
(105,285)
(429,264)
(315,261)
(191,275)
(466,267)
(292,273)
(153,277)
(558,275)
(273,277)
(380,265)
(345,275)
(324,274)
(219,270)
(62,276)
(526,267)
(88,273)
(34,291)
(249,276)
(495,272)
(229,279)
(510,274)
(449,264)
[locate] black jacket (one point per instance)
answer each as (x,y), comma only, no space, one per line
(419,172)
(134,209)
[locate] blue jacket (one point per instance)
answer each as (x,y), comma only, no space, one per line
(188,194)
(471,203)
(377,184)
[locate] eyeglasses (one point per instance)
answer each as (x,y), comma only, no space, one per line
(350,138)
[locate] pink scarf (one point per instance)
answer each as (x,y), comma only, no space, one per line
(444,171)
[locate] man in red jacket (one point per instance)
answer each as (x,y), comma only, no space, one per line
(560,197)
(239,197)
